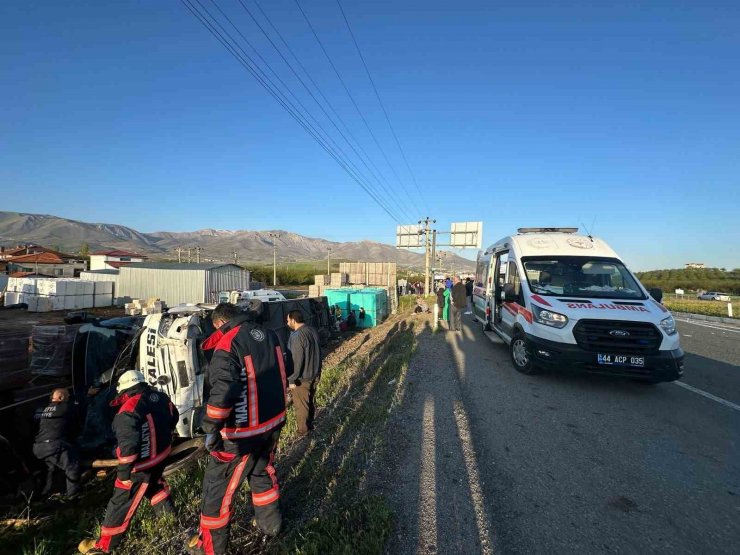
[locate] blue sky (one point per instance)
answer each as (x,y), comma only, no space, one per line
(620,115)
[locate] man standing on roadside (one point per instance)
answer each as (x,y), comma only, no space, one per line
(458,305)
(305,365)
(469,293)
(245,411)
(54,442)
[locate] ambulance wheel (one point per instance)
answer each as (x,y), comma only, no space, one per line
(521,355)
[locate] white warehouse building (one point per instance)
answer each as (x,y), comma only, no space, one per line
(176,283)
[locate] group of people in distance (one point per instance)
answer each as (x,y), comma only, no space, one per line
(454,298)
(352,321)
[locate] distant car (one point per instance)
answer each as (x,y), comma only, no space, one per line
(713,296)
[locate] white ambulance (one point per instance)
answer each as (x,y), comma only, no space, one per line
(563,300)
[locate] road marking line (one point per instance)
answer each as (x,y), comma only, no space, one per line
(714,327)
(703,393)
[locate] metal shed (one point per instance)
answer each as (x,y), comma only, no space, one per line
(180,283)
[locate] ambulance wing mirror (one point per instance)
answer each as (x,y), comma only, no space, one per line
(510,295)
(656,293)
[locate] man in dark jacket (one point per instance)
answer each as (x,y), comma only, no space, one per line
(245,411)
(143,427)
(305,369)
(458,305)
(55,442)
(469,293)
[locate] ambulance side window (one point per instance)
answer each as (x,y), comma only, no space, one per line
(503,261)
(481,271)
(512,277)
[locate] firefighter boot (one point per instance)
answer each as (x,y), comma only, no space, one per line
(195,546)
(87,546)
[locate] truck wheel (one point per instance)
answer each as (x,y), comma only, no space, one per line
(521,355)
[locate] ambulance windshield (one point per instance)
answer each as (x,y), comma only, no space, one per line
(581,277)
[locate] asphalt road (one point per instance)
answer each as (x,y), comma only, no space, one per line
(568,463)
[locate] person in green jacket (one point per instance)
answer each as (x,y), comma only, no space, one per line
(446,309)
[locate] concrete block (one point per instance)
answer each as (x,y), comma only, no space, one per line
(87,301)
(69,302)
(44,304)
(57,302)
(102,299)
(33,303)
(11,297)
(103,287)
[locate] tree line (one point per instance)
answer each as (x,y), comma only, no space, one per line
(695,279)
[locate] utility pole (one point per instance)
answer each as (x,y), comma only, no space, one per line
(190,259)
(197,254)
(328,261)
(235,257)
(274,257)
(427,249)
(179,255)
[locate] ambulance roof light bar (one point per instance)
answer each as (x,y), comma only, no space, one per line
(547,230)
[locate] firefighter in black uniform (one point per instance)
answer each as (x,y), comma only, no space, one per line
(143,427)
(55,442)
(245,411)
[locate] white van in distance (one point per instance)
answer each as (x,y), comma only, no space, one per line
(559,299)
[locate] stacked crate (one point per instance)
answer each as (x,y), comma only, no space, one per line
(49,294)
(376,274)
(139,307)
(338,279)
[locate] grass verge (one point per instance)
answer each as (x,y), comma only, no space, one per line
(695,306)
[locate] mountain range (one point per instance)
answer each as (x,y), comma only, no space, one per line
(216,245)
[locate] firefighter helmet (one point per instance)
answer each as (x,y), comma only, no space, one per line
(129,379)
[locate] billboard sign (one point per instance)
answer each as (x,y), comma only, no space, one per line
(466,235)
(409,236)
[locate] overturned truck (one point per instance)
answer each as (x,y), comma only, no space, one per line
(166,348)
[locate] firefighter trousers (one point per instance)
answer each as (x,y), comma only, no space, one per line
(125,501)
(224,475)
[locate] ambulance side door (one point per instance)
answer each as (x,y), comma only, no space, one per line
(500,262)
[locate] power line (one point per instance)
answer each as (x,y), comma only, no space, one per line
(306,111)
(352,99)
(326,100)
(252,68)
(313,97)
(377,95)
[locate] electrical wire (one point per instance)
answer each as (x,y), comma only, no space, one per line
(377,95)
(305,111)
(387,192)
(328,103)
(351,97)
(387,188)
(251,68)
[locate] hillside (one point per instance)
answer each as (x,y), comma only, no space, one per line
(217,245)
(708,279)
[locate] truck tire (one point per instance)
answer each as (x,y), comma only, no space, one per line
(521,355)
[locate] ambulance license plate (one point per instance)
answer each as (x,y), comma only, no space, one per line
(621,360)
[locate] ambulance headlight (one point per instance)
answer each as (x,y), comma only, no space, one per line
(668,325)
(549,318)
